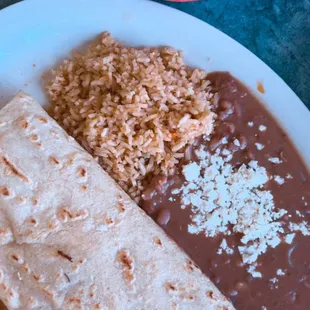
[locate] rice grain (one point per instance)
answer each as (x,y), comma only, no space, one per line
(135,109)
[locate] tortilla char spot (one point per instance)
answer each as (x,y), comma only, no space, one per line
(127,263)
(24,124)
(121,207)
(81,261)
(20,199)
(157,241)
(189,265)
(170,286)
(38,278)
(64,255)
(5,191)
(4,232)
(125,259)
(67,277)
(74,300)
(42,119)
(11,293)
(31,301)
(13,169)
(34,137)
(210,294)
(25,267)
(52,225)
(17,258)
(84,187)
(92,290)
(81,215)
(33,221)
(65,215)
(47,292)
(82,172)
(109,220)
(54,160)
(55,134)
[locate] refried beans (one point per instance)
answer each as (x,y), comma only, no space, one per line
(285,269)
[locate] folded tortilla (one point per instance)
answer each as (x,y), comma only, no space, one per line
(70,238)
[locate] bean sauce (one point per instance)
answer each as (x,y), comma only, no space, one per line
(242,117)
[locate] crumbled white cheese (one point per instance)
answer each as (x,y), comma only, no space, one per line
(236,142)
(226,152)
(207,138)
(175,191)
(228,158)
(250,124)
(280,272)
(299,213)
(289,176)
(274,282)
(259,146)
(191,172)
(224,140)
(223,198)
(253,272)
(262,128)
(226,200)
(302,227)
(279,180)
(275,160)
(224,247)
(289,238)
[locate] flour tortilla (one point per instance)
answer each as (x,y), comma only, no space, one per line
(70,238)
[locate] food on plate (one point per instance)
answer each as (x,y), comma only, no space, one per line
(239,204)
(71,238)
(135,109)
(203,158)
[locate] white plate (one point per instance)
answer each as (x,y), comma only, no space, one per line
(44,32)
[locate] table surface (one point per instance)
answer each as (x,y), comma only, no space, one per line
(277,31)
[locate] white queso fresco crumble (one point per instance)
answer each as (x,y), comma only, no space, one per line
(227,200)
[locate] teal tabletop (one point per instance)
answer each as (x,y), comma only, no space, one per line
(277,31)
